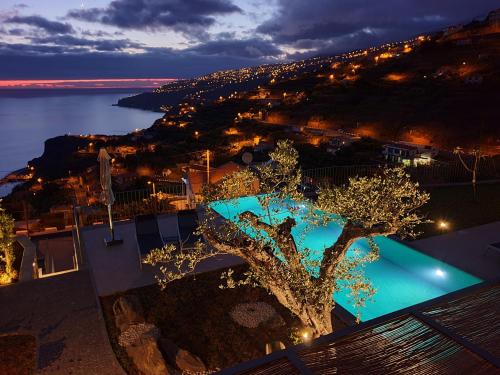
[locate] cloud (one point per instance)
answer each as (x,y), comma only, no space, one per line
(247,48)
(98,45)
(297,29)
(15,32)
(51,27)
(8,51)
(46,62)
(349,24)
(185,16)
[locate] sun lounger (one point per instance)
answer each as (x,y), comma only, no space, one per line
(147,234)
(187,226)
(493,248)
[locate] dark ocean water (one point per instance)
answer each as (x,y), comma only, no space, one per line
(29,117)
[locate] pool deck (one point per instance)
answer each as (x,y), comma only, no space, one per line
(117,268)
(467,249)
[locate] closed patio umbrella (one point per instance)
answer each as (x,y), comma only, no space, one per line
(190,199)
(107,196)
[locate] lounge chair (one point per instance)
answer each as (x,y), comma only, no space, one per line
(493,248)
(187,225)
(147,234)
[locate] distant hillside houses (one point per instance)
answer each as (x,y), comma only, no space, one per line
(494,17)
(466,34)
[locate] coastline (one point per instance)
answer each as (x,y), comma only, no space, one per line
(57,112)
(11,180)
(6,188)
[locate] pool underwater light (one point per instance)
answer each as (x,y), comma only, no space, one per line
(440,272)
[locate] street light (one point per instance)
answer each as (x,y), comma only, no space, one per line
(154,187)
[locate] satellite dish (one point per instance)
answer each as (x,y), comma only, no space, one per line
(247,158)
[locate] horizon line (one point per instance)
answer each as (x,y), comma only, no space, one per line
(81,83)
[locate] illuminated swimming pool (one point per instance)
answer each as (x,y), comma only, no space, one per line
(402,276)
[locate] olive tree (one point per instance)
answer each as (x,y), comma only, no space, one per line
(472,166)
(7,272)
(271,236)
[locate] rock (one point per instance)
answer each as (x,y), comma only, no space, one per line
(146,356)
(187,362)
(127,311)
(137,331)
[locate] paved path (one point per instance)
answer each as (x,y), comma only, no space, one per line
(466,249)
(62,312)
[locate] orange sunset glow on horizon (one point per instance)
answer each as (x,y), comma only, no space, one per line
(104,83)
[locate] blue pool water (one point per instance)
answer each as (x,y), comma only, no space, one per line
(402,276)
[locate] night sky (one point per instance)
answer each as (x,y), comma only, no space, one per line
(66,39)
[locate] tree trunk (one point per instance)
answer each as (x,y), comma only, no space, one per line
(318,322)
(474,185)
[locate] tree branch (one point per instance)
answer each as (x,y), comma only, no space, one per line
(282,236)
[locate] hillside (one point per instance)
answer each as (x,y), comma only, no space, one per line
(442,93)
(439,89)
(207,88)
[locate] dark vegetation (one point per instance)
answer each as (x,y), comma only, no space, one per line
(60,157)
(17,354)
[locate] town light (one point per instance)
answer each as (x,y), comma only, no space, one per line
(443,225)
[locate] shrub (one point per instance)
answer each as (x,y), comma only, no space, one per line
(7,257)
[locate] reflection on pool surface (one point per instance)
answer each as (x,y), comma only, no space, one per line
(402,276)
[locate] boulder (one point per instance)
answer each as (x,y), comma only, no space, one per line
(146,357)
(185,361)
(135,332)
(188,362)
(128,311)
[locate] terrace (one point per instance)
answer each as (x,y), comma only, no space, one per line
(118,268)
(116,271)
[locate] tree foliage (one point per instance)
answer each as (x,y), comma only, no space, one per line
(302,279)
(7,271)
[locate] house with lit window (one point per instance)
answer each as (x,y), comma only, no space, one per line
(408,154)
